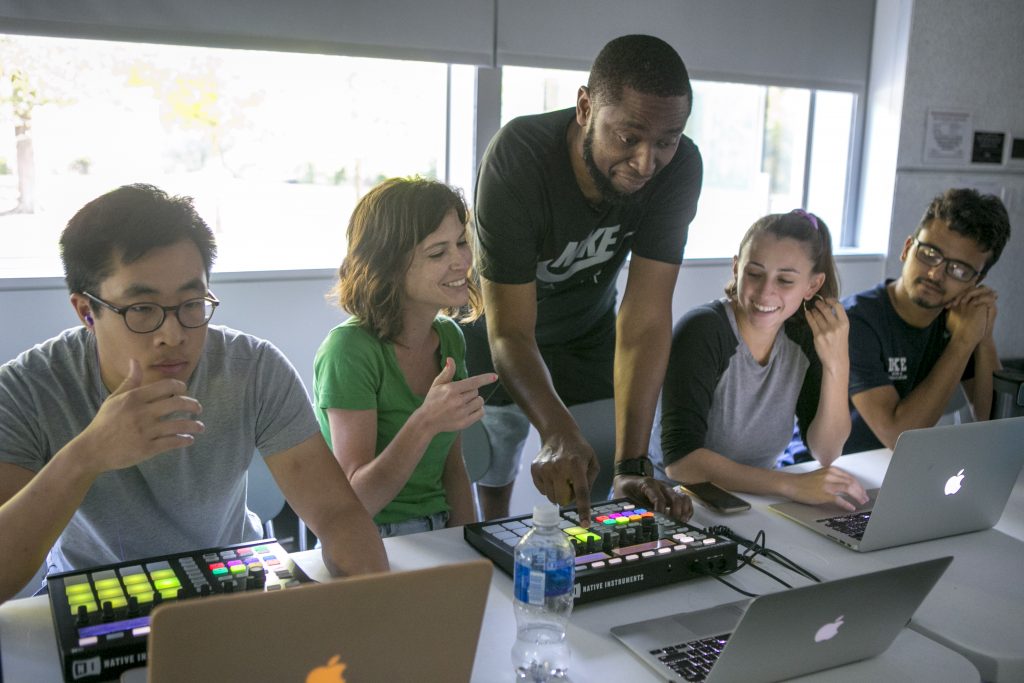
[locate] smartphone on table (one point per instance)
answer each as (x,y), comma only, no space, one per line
(715,497)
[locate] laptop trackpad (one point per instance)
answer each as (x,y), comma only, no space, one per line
(713,621)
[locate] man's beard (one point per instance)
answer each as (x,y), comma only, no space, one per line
(609,193)
(924,303)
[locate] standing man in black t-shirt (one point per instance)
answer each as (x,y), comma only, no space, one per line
(914,339)
(561,199)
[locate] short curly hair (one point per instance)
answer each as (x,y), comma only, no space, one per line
(980,217)
(385,227)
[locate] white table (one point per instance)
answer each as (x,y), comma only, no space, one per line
(29,648)
(977,608)
(597,656)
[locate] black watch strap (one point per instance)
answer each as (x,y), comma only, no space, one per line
(641,466)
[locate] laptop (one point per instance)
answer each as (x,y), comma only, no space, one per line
(940,482)
(420,625)
(791,633)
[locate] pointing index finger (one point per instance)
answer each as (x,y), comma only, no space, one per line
(476,381)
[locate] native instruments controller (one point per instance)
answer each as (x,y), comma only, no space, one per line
(101,615)
(625,549)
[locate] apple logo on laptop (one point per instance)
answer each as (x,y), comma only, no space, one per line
(829,630)
(953,483)
(330,673)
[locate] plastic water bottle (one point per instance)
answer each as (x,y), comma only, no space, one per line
(542,595)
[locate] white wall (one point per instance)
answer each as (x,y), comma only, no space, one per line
(289,309)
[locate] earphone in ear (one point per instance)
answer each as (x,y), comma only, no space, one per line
(88,320)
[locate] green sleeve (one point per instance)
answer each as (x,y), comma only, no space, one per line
(453,344)
(349,369)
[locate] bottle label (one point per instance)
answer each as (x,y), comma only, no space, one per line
(534,584)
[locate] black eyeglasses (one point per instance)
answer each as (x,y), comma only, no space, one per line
(933,256)
(145,317)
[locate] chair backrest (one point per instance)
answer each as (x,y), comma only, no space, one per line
(958,410)
(265,499)
(476,450)
(263,496)
(596,419)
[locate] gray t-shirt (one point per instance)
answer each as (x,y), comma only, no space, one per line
(717,396)
(180,500)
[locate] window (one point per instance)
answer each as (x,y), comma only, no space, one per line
(276,148)
(766,149)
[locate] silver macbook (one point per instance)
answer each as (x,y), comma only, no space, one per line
(420,625)
(940,482)
(782,635)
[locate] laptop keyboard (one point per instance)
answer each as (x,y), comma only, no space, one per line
(851,525)
(692,661)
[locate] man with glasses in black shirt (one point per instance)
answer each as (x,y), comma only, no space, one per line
(130,435)
(914,339)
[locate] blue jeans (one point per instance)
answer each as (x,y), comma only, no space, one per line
(438,520)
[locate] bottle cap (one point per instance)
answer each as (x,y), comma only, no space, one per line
(545,514)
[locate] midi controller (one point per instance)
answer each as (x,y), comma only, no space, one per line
(101,615)
(626,548)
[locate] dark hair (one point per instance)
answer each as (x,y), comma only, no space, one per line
(981,217)
(805,228)
(125,224)
(646,64)
(385,227)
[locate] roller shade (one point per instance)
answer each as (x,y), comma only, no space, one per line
(455,31)
(809,43)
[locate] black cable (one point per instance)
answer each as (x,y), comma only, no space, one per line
(718,577)
(759,546)
(735,588)
(770,575)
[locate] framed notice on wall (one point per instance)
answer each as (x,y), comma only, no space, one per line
(988,147)
(947,137)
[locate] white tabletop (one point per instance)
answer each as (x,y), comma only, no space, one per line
(977,608)
(29,650)
(597,656)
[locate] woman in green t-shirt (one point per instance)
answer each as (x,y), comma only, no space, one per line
(390,382)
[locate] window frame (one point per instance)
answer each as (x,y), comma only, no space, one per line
(487,105)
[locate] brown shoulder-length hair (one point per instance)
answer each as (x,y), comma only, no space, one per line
(809,230)
(385,227)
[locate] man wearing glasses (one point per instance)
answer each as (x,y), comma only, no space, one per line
(131,435)
(914,339)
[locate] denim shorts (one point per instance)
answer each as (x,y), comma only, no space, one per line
(438,520)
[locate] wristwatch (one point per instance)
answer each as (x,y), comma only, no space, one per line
(640,466)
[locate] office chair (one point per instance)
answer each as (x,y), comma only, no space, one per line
(265,499)
(476,451)
(596,419)
(958,410)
